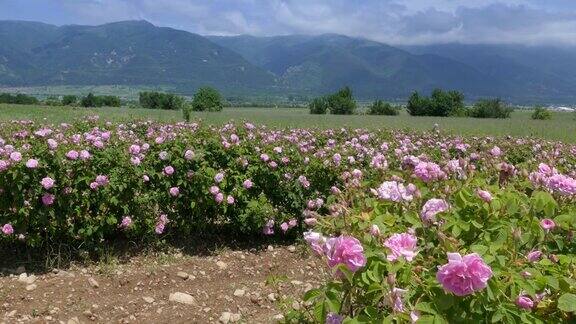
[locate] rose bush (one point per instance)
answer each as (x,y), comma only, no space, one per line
(413,226)
(488,242)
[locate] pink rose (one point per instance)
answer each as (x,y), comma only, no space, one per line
(547,224)
(401,245)
(484,195)
(524,302)
(7,229)
(47,183)
(464,275)
(345,250)
(174,192)
(32,164)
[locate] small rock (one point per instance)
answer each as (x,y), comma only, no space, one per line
(149,300)
(221,265)
(239,292)
(270,248)
(292,248)
(12,313)
(74,320)
(26,279)
(93,282)
(235,317)
(183,275)
(278,317)
(225,317)
(296,305)
(182,298)
(296,282)
(272,297)
(31,287)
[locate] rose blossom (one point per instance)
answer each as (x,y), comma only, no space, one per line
(268,227)
(431,208)
(401,245)
(48,199)
(316,241)
(547,224)
(247,184)
(32,164)
(219,177)
(7,229)
(524,302)
(345,250)
(534,255)
(47,183)
(174,192)
(169,170)
(464,275)
(126,222)
(484,195)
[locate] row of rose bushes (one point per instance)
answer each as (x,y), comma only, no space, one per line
(486,246)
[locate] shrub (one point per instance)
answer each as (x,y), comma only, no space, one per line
(440,103)
(383,108)
(342,102)
(490,108)
(19,99)
(69,100)
(207,99)
(318,106)
(541,113)
(91,100)
(159,100)
(52,101)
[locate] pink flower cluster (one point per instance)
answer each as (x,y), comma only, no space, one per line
(401,245)
(429,171)
(344,250)
(555,182)
(431,208)
(394,191)
(464,275)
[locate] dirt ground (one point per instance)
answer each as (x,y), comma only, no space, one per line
(232,285)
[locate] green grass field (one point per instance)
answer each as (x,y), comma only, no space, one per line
(562,126)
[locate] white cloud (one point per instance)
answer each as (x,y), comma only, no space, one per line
(391,21)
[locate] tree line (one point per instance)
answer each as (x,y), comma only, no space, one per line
(440,103)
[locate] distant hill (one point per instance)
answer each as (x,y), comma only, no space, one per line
(137,53)
(126,53)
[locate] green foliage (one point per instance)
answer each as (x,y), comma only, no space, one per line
(19,99)
(160,100)
(490,108)
(318,106)
(342,102)
(440,103)
(187,112)
(52,101)
(91,100)
(383,108)
(339,103)
(207,99)
(69,100)
(541,113)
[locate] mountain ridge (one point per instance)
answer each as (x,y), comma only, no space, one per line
(140,53)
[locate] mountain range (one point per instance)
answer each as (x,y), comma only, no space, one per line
(140,54)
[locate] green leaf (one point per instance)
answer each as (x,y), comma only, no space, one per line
(567,302)
(311,294)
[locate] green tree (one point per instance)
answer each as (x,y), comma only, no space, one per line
(380,107)
(318,106)
(490,108)
(89,101)
(159,100)
(541,113)
(207,99)
(342,102)
(440,103)
(69,100)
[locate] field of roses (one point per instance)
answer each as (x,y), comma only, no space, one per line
(413,226)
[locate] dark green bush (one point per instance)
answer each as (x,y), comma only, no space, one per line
(541,113)
(383,108)
(490,108)
(318,106)
(159,100)
(207,99)
(100,101)
(20,99)
(69,100)
(440,103)
(342,102)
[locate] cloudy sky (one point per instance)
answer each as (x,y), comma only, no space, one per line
(390,21)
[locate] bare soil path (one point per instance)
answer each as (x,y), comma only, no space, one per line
(232,285)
